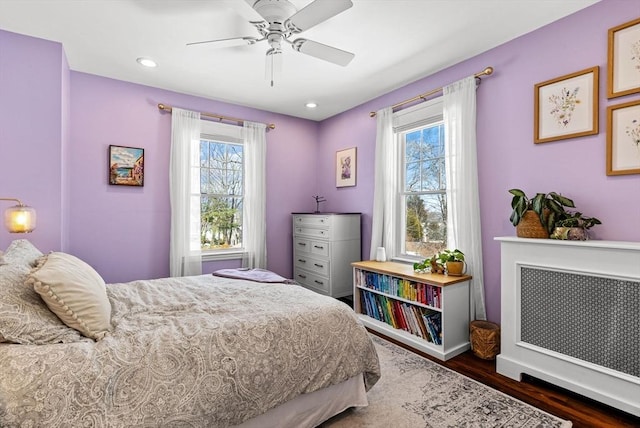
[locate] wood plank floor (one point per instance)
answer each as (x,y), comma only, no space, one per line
(564,404)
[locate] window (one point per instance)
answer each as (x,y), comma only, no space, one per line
(422,193)
(221,189)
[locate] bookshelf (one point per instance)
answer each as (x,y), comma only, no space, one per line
(428,312)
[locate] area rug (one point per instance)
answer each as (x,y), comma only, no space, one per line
(415,392)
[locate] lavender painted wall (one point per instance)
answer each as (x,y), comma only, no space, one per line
(33,100)
(507,156)
(124,231)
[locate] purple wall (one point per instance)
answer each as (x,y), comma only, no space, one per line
(56,126)
(124,231)
(33,100)
(507,156)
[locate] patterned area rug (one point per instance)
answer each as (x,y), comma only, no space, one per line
(414,392)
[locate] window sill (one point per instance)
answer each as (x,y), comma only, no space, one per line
(210,256)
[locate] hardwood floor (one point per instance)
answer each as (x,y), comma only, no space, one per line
(583,412)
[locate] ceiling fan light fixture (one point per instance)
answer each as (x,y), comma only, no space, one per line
(311,104)
(147,62)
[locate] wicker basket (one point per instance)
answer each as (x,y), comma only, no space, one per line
(485,339)
(531,227)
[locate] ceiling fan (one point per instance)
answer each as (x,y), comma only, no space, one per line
(279,20)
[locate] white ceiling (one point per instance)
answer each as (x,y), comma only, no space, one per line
(395,43)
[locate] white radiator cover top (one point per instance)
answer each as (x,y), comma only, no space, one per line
(571,316)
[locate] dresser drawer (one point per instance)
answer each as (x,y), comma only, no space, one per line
(311,220)
(319,248)
(310,280)
(301,245)
(311,232)
(320,267)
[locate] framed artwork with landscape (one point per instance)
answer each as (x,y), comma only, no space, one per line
(346,167)
(126,166)
(567,106)
(623,138)
(623,77)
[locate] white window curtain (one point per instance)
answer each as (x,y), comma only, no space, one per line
(184,189)
(254,204)
(463,219)
(384,225)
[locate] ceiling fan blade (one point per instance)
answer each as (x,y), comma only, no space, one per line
(324,52)
(315,13)
(230,42)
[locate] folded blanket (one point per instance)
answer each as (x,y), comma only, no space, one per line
(257,275)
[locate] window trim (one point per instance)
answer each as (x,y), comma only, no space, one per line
(229,134)
(405,121)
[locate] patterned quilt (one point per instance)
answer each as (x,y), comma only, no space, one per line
(199,351)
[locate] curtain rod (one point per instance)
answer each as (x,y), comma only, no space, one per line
(486,72)
(215,116)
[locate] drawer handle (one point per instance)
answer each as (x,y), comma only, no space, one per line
(302,260)
(317,265)
(319,282)
(322,232)
(320,247)
(302,243)
(302,276)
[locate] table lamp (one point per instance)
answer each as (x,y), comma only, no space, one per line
(19,218)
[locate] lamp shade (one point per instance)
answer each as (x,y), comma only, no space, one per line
(20,219)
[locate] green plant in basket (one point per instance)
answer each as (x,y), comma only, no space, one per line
(548,206)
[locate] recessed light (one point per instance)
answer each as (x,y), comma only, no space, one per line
(311,105)
(147,62)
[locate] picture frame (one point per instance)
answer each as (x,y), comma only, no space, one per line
(126,166)
(623,76)
(567,106)
(346,167)
(623,138)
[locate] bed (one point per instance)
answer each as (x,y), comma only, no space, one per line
(201,351)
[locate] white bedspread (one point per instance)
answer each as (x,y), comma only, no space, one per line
(199,351)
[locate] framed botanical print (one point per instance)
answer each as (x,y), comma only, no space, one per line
(566,107)
(623,138)
(346,167)
(126,166)
(623,77)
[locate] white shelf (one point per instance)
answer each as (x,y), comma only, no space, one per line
(454,308)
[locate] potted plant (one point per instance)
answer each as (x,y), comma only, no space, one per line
(574,226)
(453,260)
(536,217)
(429,265)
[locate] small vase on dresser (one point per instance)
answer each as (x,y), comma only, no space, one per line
(324,246)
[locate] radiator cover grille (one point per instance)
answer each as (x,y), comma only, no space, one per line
(591,318)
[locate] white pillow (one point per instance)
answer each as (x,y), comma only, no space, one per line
(75,292)
(24,317)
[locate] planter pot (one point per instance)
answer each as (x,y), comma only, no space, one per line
(456,268)
(570,233)
(531,227)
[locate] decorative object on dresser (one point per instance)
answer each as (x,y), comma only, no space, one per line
(324,245)
(566,107)
(428,312)
(318,199)
(570,316)
(623,59)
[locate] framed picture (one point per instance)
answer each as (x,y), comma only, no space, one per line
(623,138)
(623,75)
(346,167)
(566,107)
(126,166)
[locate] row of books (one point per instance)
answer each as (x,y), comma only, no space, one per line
(410,290)
(422,322)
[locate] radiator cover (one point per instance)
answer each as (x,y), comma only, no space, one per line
(591,318)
